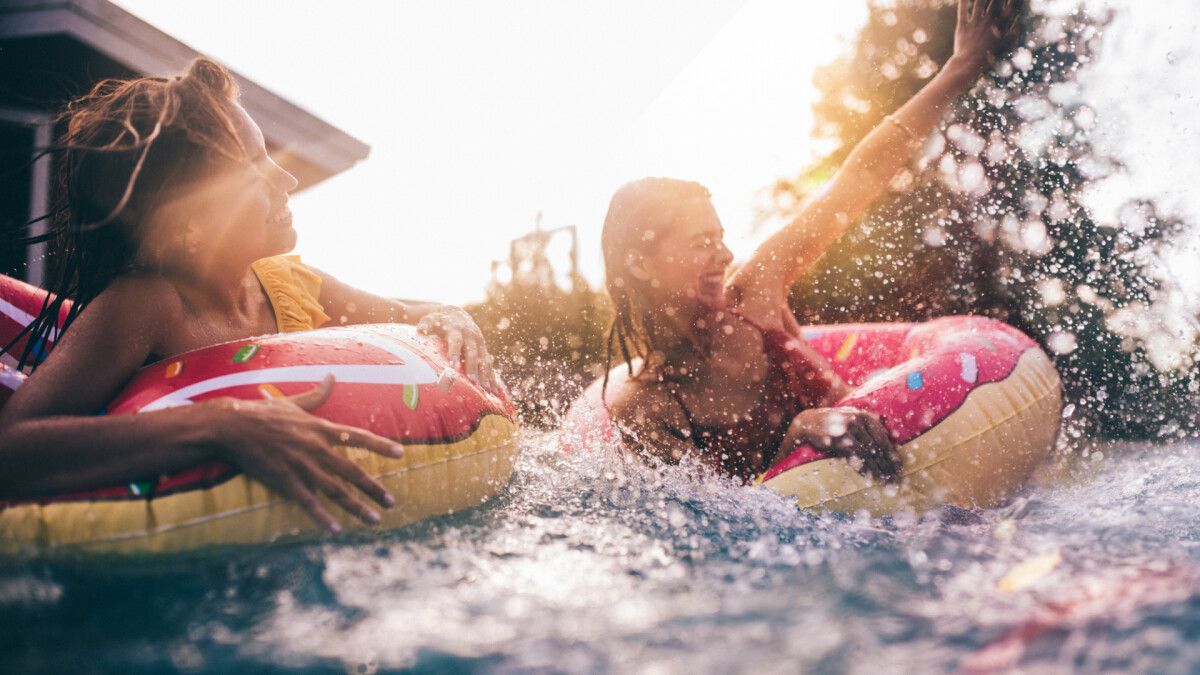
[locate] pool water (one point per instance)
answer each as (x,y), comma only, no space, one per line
(586,564)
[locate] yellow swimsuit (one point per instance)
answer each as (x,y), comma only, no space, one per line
(293,290)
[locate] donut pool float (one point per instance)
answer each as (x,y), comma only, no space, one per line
(20,303)
(460,445)
(973,404)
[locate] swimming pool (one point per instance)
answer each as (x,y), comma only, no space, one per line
(585,564)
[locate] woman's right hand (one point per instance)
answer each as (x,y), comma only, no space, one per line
(851,433)
(465,345)
(986,28)
(280,443)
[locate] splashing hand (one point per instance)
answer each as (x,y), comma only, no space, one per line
(986,29)
(853,434)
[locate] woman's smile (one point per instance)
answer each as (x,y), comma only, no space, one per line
(712,284)
(282,216)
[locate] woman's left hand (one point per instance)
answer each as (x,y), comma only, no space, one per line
(465,345)
(850,433)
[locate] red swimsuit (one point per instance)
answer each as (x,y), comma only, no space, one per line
(794,383)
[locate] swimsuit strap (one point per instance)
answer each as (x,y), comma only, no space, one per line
(750,321)
(294,292)
(740,448)
(673,388)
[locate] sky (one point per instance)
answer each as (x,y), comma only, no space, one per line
(481,115)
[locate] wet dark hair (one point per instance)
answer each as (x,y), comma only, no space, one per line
(638,212)
(123,151)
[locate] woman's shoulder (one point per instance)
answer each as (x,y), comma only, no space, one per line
(114,334)
(757,296)
(644,400)
(138,300)
(652,420)
(150,289)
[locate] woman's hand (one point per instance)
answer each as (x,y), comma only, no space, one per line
(464,342)
(465,345)
(986,28)
(282,445)
(856,435)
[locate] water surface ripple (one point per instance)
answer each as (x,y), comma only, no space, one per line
(585,564)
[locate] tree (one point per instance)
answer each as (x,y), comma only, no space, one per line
(547,339)
(989,218)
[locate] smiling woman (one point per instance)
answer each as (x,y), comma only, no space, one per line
(169,238)
(238,212)
(724,372)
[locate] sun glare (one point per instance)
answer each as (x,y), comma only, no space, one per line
(480,117)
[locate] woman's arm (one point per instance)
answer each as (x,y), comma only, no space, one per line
(52,442)
(761,285)
(464,342)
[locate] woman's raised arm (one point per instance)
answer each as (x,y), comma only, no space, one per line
(985,28)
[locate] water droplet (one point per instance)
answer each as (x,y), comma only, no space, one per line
(1061,342)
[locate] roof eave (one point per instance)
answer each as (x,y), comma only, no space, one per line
(302,142)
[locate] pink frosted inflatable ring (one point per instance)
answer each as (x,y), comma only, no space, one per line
(20,304)
(460,444)
(973,404)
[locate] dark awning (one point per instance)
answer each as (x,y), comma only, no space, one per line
(53,50)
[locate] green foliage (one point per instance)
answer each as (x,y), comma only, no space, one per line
(546,340)
(989,218)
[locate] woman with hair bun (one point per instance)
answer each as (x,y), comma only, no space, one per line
(169,236)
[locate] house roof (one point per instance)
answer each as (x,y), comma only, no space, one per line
(54,50)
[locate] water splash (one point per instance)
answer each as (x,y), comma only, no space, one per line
(590,563)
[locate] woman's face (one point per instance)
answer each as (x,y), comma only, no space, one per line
(684,268)
(240,213)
